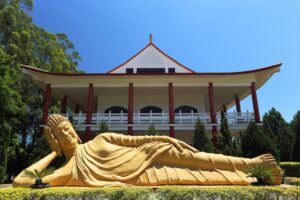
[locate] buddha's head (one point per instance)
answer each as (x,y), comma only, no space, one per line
(60,133)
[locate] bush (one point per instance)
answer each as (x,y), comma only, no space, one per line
(295,125)
(292,180)
(291,168)
(263,174)
(103,128)
(152,130)
(255,142)
(160,193)
(200,139)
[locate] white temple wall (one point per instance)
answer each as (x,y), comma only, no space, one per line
(107,101)
(142,100)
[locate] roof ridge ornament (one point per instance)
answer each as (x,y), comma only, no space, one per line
(150,38)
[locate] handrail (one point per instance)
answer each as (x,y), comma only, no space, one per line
(159,118)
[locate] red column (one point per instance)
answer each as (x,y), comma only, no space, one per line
(89,112)
(237,104)
(63,108)
(46,103)
(255,102)
(171,110)
(130,109)
(213,117)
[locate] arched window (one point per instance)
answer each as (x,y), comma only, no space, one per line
(116,109)
(154,109)
(186,109)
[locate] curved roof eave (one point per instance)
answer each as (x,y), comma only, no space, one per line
(275,67)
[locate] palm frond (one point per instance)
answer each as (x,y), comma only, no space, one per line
(47,171)
(261,172)
(30,174)
(39,174)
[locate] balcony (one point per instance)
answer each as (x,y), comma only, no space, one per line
(183,121)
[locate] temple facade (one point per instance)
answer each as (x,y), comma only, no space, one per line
(152,87)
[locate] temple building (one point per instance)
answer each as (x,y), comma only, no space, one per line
(152,87)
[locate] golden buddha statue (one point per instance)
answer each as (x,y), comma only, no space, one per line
(112,159)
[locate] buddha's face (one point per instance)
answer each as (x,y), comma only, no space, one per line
(66,136)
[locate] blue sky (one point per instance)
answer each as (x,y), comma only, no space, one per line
(205,35)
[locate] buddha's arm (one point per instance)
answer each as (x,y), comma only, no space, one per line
(60,176)
(24,181)
(136,141)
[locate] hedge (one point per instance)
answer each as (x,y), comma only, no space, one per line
(291,169)
(159,193)
(292,180)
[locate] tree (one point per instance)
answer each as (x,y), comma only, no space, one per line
(225,142)
(227,145)
(295,125)
(10,110)
(200,139)
(103,127)
(254,142)
(279,132)
(23,42)
(152,131)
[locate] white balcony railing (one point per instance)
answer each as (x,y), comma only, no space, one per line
(159,118)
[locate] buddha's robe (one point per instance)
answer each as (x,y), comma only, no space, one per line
(118,160)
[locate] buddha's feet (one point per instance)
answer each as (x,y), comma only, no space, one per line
(269,160)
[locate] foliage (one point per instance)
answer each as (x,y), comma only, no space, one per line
(254,142)
(278,130)
(227,144)
(10,109)
(23,42)
(39,174)
(160,193)
(200,139)
(103,127)
(292,180)
(291,168)
(295,125)
(152,131)
(263,174)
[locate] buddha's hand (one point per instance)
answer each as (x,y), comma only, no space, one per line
(180,145)
(52,141)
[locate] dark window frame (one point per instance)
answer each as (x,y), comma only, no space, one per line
(116,110)
(154,109)
(184,109)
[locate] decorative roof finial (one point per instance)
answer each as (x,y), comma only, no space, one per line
(150,38)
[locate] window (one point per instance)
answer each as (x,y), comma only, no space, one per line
(171,70)
(129,70)
(153,109)
(150,70)
(116,109)
(186,109)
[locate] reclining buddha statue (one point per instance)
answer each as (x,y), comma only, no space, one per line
(112,159)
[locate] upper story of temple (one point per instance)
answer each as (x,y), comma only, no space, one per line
(152,87)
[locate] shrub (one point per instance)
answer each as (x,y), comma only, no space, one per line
(152,130)
(291,168)
(160,193)
(200,139)
(292,180)
(255,142)
(295,125)
(279,132)
(103,127)
(263,174)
